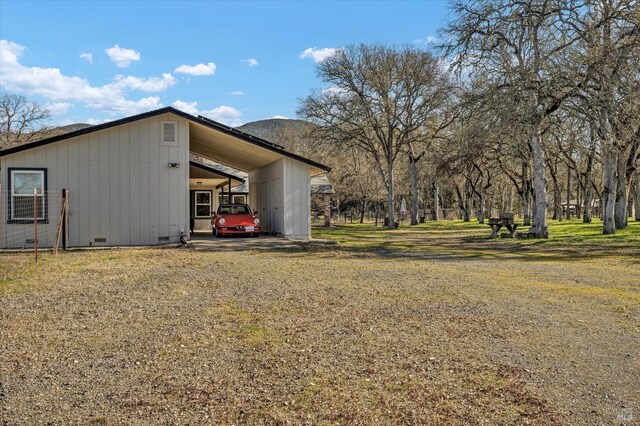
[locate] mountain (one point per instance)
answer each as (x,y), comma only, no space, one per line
(294,135)
(61,130)
(266,128)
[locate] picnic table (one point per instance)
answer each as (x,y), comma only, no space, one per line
(506,220)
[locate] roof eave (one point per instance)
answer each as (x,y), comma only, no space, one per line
(204,122)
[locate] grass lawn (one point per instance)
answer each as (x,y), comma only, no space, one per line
(434,324)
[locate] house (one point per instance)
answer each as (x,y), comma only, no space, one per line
(131,182)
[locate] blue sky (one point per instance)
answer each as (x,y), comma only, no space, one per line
(232,61)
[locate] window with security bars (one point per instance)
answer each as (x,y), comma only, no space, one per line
(27,195)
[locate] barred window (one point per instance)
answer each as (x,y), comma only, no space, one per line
(28,186)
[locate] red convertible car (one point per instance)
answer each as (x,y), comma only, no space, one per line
(235,219)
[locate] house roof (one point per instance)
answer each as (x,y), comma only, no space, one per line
(245,137)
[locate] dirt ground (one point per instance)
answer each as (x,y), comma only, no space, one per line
(318,336)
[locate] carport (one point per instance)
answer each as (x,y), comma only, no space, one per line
(279,181)
(206,186)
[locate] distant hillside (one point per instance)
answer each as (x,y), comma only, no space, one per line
(293,135)
(61,130)
(265,128)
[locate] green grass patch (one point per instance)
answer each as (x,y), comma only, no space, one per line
(567,239)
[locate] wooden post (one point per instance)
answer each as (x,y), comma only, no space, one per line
(60,225)
(65,200)
(35,221)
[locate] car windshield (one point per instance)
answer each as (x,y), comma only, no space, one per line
(234,209)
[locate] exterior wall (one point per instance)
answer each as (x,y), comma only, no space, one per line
(297,199)
(120,185)
(266,180)
(281,194)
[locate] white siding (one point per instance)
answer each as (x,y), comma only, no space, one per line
(297,199)
(293,212)
(121,187)
(263,179)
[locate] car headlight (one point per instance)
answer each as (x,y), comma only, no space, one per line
(221,221)
(256,221)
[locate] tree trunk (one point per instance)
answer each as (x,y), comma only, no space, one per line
(637,196)
(364,209)
(568,212)
(436,204)
(327,210)
(413,174)
(557,204)
(524,199)
(610,166)
(621,211)
(586,206)
(588,178)
(539,184)
(578,202)
(390,207)
(462,205)
(377,213)
(481,214)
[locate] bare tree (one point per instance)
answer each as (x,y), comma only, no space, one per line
(379,101)
(523,47)
(21,120)
(611,40)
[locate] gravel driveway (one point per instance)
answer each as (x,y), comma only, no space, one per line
(175,336)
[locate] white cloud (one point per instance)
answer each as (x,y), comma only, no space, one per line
(224,113)
(151,84)
(58,108)
(237,93)
(430,39)
(200,69)
(318,55)
(188,107)
(335,91)
(281,117)
(87,57)
(9,53)
(53,85)
(122,57)
(252,62)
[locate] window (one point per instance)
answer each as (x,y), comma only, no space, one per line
(22,184)
(223,198)
(169,133)
(203,203)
